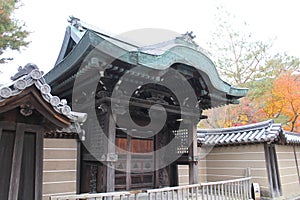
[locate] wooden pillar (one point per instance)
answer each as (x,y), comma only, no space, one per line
(128,161)
(193,161)
(16,163)
(111,152)
(174,175)
(156,161)
(78,166)
(0,132)
(39,165)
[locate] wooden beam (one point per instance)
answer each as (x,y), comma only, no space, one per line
(39,143)
(193,164)
(144,103)
(16,163)
(11,126)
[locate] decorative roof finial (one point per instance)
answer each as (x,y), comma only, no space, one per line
(190,35)
(24,71)
(188,39)
(74,21)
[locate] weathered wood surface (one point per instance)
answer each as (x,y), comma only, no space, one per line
(16,163)
(193,164)
(110,165)
(39,143)
(128,161)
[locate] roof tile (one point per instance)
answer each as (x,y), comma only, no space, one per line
(266,131)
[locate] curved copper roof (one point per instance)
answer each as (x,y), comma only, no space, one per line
(160,56)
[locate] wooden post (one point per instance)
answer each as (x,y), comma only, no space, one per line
(0,132)
(128,161)
(193,162)
(16,163)
(78,166)
(156,161)
(111,151)
(39,165)
(269,168)
(296,162)
(174,175)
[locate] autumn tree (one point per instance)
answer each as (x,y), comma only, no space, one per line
(245,62)
(283,102)
(12,32)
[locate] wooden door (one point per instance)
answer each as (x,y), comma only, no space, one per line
(134,169)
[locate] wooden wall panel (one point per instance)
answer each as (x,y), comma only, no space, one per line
(27,177)
(6,153)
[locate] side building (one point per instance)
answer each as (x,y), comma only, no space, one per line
(263,151)
(35,159)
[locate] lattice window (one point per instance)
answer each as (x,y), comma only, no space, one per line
(182,137)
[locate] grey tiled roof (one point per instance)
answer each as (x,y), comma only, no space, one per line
(29,76)
(266,131)
(291,138)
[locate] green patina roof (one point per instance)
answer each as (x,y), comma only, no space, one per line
(159,56)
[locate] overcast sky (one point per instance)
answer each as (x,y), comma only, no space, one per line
(47,21)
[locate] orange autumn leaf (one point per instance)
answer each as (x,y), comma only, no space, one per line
(284,101)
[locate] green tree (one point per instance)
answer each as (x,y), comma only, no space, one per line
(12,32)
(239,58)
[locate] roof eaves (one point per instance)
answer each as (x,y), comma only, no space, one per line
(31,76)
(265,131)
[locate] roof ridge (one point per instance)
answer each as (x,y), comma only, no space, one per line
(263,124)
(266,131)
(84,26)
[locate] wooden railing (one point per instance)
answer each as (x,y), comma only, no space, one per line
(231,189)
(237,189)
(100,196)
(185,192)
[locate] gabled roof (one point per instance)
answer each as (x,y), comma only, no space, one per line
(81,37)
(28,91)
(266,131)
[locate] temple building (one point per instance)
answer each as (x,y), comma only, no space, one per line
(143,105)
